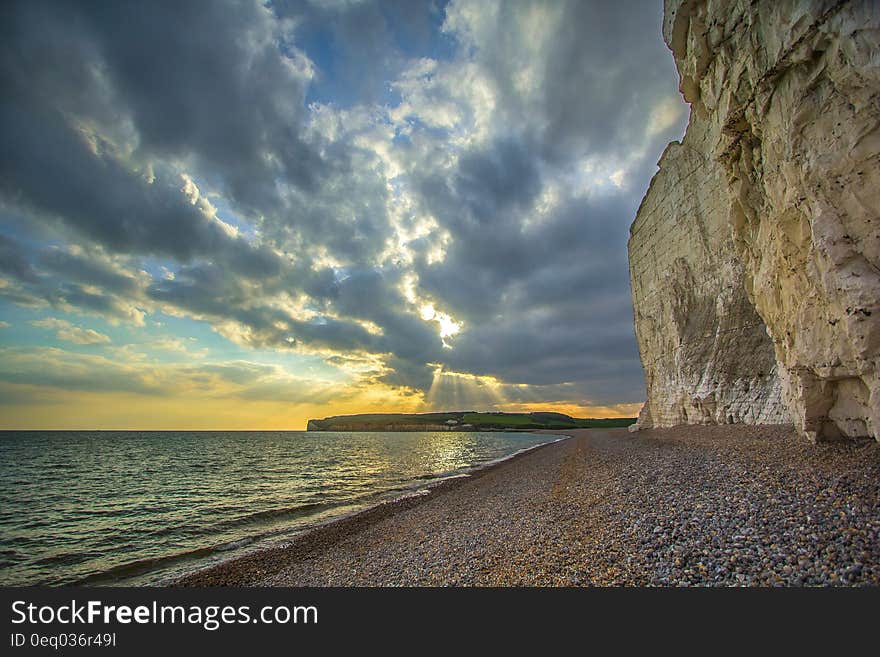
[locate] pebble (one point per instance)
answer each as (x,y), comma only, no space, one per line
(689,506)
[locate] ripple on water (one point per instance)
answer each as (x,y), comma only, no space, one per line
(133,506)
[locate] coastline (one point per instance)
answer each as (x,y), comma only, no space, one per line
(726,505)
(349,523)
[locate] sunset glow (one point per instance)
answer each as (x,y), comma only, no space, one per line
(347,208)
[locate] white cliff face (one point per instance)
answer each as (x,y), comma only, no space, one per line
(706,353)
(770,207)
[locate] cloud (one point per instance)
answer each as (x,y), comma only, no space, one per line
(309,177)
(560,113)
(93,268)
(179,346)
(107,154)
(54,368)
(73,279)
(68,332)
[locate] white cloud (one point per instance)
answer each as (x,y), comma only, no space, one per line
(68,332)
(181,346)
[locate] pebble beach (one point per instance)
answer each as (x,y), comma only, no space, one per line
(688,506)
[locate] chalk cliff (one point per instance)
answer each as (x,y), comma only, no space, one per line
(755,255)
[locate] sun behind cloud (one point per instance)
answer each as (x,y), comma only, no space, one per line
(343,208)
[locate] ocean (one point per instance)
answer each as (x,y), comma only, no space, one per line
(143,507)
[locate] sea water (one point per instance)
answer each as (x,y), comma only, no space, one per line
(143,507)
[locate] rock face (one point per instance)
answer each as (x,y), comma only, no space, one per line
(755,255)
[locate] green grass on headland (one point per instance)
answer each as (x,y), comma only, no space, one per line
(462,421)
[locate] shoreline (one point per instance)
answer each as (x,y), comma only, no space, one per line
(354,520)
(711,506)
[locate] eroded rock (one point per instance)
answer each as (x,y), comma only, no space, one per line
(755,256)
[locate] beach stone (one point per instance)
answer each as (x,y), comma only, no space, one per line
(583,512)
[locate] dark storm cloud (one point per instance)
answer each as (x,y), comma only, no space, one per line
(362,296)
(13,261)
(114,113)
(601,69)
(57,81)
(207,79)
(75,296)
(68,279)
(548,305)
(371,295)
(601,108)
(205,291)
(89,269)
(547,300)
(408,373)
(491,182)
(104,98)
(48,168)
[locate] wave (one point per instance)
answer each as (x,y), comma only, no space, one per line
(417,489)
(125,571)
(117,574)
(161,548)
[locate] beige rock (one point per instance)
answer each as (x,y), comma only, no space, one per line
(766,215)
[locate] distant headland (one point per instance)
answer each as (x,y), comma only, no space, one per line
(462,421)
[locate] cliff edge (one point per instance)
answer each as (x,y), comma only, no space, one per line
(755,255)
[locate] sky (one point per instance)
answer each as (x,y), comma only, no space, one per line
(242,215)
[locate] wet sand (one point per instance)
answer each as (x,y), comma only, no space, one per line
(730,505)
